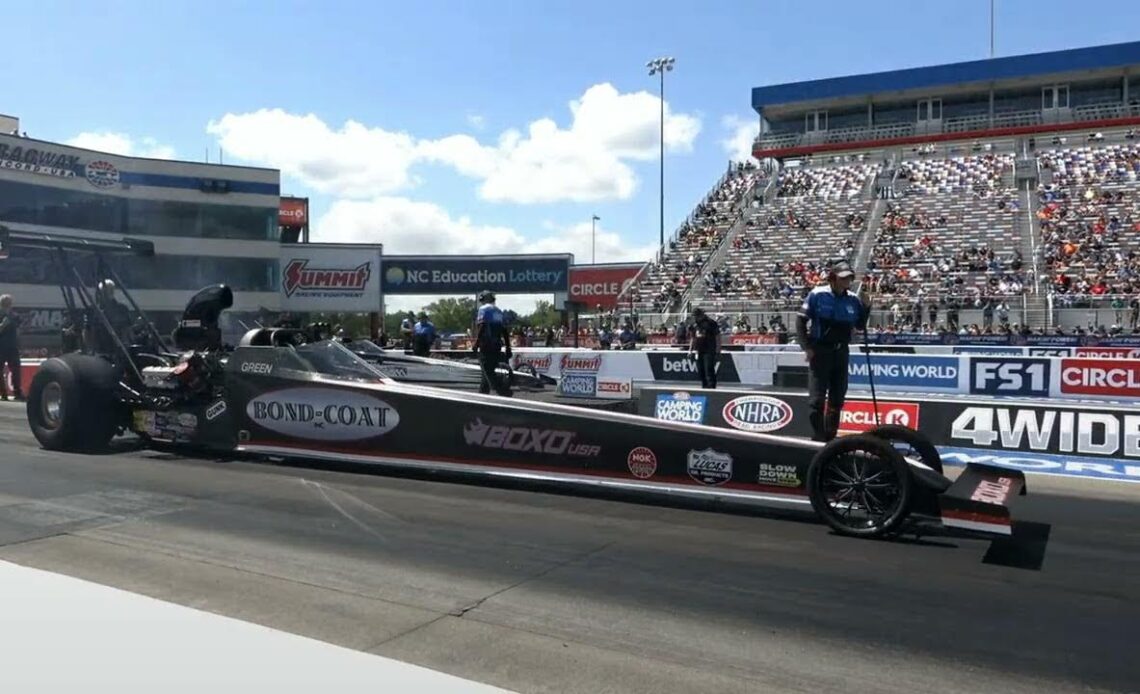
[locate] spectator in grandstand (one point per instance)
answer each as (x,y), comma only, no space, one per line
(704,346)
(833,314)
(9,348)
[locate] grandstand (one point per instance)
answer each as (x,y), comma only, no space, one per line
(992,195)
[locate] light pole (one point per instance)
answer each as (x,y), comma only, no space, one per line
(593,239)
(659,66)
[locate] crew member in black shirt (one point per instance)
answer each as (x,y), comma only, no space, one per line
(704,343)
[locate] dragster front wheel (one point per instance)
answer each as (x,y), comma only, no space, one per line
(860,485)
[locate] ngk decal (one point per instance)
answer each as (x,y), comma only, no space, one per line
(859,415)
(1107,353)
(324,414)
(642,463)
(325,281)
(526,440)
(1100,377)
(1087,432)
(570,362)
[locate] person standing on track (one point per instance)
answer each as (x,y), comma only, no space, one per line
(492,339)
(834,314)
(423,336)
(9,348)
(704,344)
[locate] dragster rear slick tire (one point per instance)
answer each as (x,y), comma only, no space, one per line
(861,472)
(72,405)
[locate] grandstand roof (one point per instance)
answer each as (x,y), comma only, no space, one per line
(974,71)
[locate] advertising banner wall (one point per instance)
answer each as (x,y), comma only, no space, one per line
(293,212)
(518,274)
(600,285)
(330,277)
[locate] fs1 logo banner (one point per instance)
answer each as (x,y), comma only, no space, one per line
(1009,376)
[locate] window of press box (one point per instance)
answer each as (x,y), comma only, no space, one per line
(36,204)
(179,272)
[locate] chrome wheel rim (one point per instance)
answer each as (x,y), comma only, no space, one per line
(51,405)
(862,491)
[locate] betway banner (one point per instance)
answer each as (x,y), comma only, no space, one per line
(330,277)
(515,274)
(600,285)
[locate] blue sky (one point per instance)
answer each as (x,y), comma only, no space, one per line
(447,126)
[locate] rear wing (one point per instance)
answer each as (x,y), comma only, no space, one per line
(76,294)
(979,499)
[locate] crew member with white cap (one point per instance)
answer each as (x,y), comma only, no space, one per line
(834,314)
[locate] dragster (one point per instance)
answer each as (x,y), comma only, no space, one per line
(283,392)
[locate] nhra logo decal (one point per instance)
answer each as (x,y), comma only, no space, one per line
(757,413)
(710,467)
(572,363)
(526,440)
(330,282)
(642,463)
(323,414)
(681,407)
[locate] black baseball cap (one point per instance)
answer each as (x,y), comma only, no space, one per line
(842,270)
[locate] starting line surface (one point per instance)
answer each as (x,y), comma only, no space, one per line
(64,634)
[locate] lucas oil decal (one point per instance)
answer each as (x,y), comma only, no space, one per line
(323,414)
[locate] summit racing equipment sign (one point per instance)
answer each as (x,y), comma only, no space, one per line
(681,407)
(600,285)
(323,414)
(330,277)
(678,367)
(904,371)
(472,274)
(858,416)
(1112,377)
(526,440)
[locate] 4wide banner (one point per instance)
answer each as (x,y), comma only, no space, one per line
(1101,431)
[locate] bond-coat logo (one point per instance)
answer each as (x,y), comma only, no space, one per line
(526,440)
(710,467)
(757,413)
(570,362)
(642,463)
(102,174)
(323,414)
(298,276)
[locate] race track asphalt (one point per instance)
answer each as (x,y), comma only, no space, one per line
(543,592)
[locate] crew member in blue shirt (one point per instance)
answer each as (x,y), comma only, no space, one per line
(423,336)
(492,339)
(824,327)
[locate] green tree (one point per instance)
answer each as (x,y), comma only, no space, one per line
(544,316)
(453,315)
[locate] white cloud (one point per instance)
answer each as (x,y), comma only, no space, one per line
(124,145)
(406,226)
(545,163)
(742,134)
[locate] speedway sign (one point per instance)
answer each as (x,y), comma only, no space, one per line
(449,275)
(344,278)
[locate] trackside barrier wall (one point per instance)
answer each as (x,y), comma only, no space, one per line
(1013,429)
(1092,373)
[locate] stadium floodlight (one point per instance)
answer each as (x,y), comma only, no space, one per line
(659,66)
(593,239)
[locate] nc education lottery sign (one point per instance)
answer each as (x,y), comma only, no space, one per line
(601,284)
(520,274)
(330,277)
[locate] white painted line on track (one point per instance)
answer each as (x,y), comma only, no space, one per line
(63,634)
